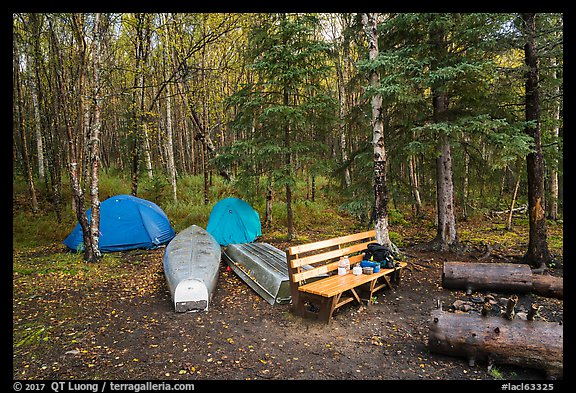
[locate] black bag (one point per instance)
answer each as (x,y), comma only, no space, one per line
(378,253)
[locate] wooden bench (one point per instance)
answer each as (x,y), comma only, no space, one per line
(319,297)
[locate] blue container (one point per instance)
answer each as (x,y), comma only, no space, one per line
(366,263)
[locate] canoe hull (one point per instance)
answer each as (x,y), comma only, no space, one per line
(191,263)
(263,267)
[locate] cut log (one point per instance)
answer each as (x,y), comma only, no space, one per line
(506,277)
(477,338)
(548,286)
(474,276)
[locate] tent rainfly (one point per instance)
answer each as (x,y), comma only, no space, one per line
(127,222)
(233,221)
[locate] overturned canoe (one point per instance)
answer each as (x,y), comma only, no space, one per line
(263,267)
(191,263)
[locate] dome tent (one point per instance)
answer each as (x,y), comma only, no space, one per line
(233,221)
(126,222)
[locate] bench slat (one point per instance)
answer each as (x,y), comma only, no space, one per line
(331,242)
(334,285)
(326,256)
(314,272)
(343,301)
(324,269)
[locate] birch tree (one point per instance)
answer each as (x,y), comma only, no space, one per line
(370,23)
(169,145)
(73,157)
(94,142)
(19,108)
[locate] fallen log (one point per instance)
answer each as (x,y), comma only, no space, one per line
(506,277)
(533,344)
(520,209)
(548,286)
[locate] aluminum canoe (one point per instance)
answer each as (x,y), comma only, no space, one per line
(191,264)
(264,268)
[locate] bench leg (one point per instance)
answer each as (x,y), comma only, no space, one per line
(368,290)
(396,276)
(327,308)
(297,304)
(298,308)
(388,282)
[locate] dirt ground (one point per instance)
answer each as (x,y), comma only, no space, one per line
(128,330)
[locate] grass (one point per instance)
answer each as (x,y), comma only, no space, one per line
(48,261)
(312,220)
(495,373)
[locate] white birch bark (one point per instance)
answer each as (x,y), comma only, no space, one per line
(169,147)
(38,131)
(95,140)
(369,20)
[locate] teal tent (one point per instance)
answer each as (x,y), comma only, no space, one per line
(233,221)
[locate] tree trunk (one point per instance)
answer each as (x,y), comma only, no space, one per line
(465,180)
(534,344)
(414,186)
(135,163)
(146,141)
(313,189)
(268,218)
(138,118)
(77,191)
(506,277)
(94,145)
(205,175)
(82,102)
(170,149)
(135,152)
(288,163)
(537,254)
(19,108)
(509,221)
(53,151)
(552,206)
(34,60)
(342,121)
(446,235)
(38,131)
(370,23)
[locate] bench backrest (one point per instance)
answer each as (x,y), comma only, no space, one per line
(313,259)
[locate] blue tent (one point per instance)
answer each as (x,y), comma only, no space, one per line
(126,222)
(234,221)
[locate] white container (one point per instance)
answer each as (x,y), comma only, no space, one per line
(344,263)
(342,271)
(357,270)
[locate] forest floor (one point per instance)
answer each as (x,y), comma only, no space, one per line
(114,320)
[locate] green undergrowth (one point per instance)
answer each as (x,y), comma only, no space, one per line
(313,220)
(44,261)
